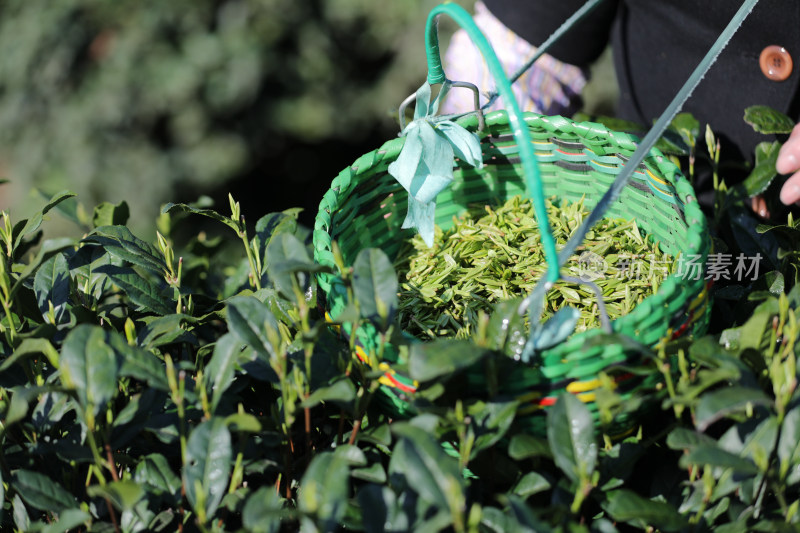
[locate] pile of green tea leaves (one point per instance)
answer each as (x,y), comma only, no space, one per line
(490,255)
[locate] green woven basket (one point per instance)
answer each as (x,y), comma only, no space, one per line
(365,208)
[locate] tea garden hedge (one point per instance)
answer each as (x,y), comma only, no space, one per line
(194,383)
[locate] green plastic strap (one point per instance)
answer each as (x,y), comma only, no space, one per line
(535,298)
(516,123)
(576,17)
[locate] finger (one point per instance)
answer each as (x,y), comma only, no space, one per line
(759,206)
(789,155)
(790,192)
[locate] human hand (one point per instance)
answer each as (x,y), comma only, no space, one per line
(789,163)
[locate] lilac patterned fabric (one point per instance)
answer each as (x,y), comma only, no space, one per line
(549,87)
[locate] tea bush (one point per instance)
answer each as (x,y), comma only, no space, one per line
(193,384)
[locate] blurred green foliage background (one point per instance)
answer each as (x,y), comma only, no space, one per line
(166,100)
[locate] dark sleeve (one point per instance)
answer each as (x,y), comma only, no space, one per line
(536,20)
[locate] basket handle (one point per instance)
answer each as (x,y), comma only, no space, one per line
(533,179)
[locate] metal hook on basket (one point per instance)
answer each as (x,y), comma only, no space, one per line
(464,84)
(476,101)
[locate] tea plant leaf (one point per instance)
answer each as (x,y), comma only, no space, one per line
(276,223)
(341,391)
(683,438)
(495,520)
(282,308)
(210,213)
(82,263)
(207,466)
(155,471)
(270,225)
(718,404)
(754,330)
(254,324)
(288,259)
(262,511)
(442,357)
(221,369)
(764,170)
(21,398)
(375,285)
(41,492)
(325,492)
(26,227)
(20,514)
(138,363)
(788,449)
(162,330)
(570,431)
(123,494)
(627,506)
(672,143)
(243,422)
(51,409)
(530,484)
(351,454)
(764,119)
(491,421)
(89,366)
(374,473)
(108,214)
(31,347)
(426,468)
(257,366)
(48,249)
(67,520)
(754,440)
(713,455)
(380,507)
(507,330)
(120,242)
(52,287)
(140,290)
(687,126)
(524,446)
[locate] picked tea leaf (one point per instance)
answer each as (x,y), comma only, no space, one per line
(490,255)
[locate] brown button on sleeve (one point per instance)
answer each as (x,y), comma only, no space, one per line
(776,63)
